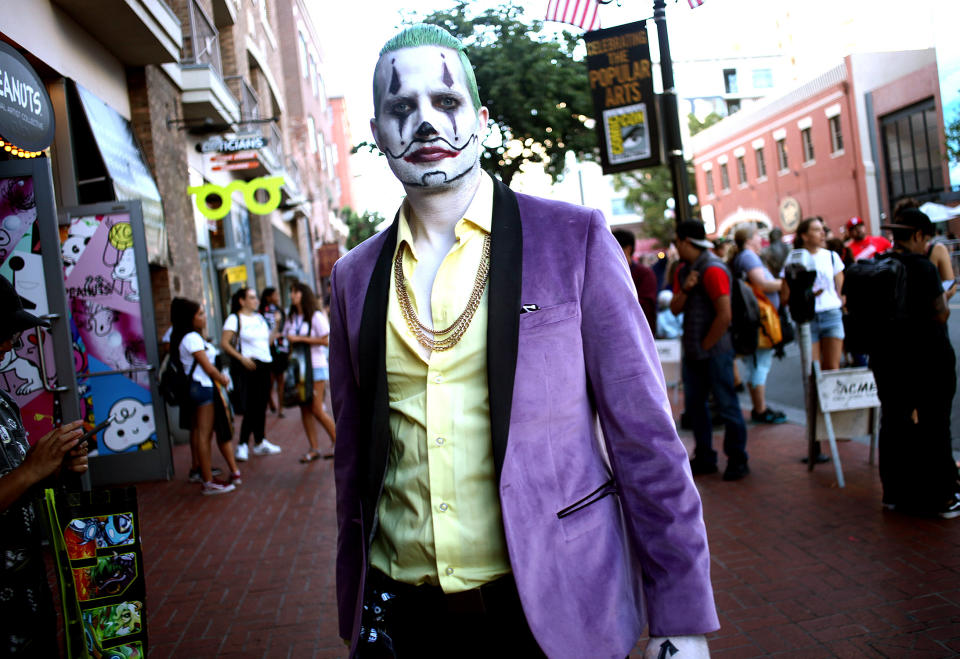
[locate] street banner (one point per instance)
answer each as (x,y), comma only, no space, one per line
(619,70)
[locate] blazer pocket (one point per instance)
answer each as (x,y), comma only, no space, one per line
(548,315)
(582,516)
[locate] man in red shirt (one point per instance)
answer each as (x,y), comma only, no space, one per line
(643,278)
(862,245)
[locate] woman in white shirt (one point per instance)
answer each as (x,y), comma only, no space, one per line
(307,325)
(826,329)
(252,352)
(196,357)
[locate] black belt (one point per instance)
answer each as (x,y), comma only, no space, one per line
(490,596)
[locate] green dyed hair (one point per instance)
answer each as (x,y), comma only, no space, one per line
(423,34)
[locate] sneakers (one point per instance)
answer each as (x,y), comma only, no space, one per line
(235,478)
(242,455)
(212,488)
(768,416)
(196,477)
(266,447)
(735,471)
(952,510)
(700,468)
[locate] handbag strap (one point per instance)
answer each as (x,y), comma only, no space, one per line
(236,343)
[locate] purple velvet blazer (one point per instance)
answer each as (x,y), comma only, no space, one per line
(597,519)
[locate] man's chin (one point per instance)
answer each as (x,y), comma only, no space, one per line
(435,180)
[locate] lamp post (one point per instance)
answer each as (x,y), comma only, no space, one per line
(673,143)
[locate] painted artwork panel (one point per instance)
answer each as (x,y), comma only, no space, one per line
(109,622)
(85,535)
(109,576)
(105,271)
(127,403)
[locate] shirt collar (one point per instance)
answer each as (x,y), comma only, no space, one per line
(478,216)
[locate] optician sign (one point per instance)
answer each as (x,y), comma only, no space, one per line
(26,114)
(218,144)
(619,70)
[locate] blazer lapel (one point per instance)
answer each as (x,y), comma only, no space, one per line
(373,377)
(503,314)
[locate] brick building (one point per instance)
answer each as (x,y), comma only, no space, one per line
(850,142)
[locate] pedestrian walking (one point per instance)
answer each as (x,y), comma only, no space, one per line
(246,339)
(273,313)
(826,329)
(643,277)
(473,346)
(915,369)
(756,367)
(937,251)
(197,357)
(306,324)
(28,621)
(702,292)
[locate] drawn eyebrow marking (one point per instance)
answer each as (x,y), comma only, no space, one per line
(446,77)
(394,81)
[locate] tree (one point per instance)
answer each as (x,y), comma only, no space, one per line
(953,140)
(535,89)
(361,226)
(696,125)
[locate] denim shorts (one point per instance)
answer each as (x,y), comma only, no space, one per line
(754,368)
(321,373)
(827,325)
(199,394)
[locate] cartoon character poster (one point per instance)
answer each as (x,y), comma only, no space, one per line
(22,264)
(110,353)
(99,561)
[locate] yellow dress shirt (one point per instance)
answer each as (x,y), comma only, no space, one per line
(440,518)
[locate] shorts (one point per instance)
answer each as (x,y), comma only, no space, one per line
(321,373)
(827,325)
(755,368)
(200,394)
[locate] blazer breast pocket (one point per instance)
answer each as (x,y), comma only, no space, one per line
(591,511)
(549,315)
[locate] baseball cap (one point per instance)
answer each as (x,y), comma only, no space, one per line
(911,218)
(16,319)
(693,231)
(854,221)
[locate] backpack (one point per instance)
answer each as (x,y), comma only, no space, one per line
(876,293)
(745,323)
(174,382)
(771,333)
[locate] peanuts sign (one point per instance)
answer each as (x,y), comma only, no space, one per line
(618,61)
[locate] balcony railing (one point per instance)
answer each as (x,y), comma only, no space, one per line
(202,44)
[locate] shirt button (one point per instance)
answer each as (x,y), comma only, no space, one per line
(440,441)
(443,507)
(438,378)
(449,571)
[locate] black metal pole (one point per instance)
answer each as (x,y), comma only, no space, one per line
(671,119)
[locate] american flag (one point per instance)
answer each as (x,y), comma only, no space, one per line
(585,14)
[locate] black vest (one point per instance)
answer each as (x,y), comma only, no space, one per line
(698,312)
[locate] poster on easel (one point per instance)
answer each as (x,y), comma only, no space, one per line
(99,566)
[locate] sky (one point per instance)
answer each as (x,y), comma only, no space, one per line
(815,33)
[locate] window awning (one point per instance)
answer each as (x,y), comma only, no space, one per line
(127,168)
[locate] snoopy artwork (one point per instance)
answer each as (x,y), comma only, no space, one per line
(16,363)
(80,233)
(119,254)
(133,425)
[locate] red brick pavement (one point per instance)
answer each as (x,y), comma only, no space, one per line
(801,568)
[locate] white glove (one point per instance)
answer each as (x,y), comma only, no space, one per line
(677,647)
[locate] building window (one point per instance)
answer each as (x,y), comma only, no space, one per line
(302,48)
(724,177)
(836,135)
(782,163)
(761,163)
(311,135)
(733,106)
(203,42)
(741,171)
(762,78)
(912,151)
(709,174)
(313,76)
(807,141)
(322,148)
(730,81)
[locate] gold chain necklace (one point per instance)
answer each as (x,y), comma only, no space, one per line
(444,339)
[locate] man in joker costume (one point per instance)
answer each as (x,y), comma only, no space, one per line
(474,344)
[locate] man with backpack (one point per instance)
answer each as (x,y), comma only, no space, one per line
(914,366)
(702,291)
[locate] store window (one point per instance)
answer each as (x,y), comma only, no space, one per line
(912,153)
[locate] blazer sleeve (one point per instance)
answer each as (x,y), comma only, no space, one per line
(661,505)
(345,396)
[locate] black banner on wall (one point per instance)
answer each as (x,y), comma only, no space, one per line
(618,61)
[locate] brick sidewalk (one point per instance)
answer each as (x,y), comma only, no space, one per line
(801,568)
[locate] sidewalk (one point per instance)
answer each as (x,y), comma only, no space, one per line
(801,568)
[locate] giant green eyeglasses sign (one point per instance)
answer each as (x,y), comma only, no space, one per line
(249,188)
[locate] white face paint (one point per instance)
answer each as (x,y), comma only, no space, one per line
(427,126)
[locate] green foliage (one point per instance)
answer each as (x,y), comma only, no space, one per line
(361,226)
(696,125)
(536,91)
(953,140)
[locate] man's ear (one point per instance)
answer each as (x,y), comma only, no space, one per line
(373,129)
(483,114)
